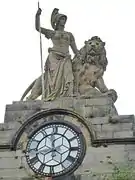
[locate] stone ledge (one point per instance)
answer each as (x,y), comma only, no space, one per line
(123,134)
(113,127)
(11,116)
(9,126)
(114,134)
(62,102)
(107,119)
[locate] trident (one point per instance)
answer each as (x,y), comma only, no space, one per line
(42,71)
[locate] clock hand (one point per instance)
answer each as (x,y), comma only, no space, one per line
(37,152)
(45,150)
(53,145)
(58,148)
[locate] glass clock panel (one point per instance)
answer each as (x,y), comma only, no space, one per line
(54,149)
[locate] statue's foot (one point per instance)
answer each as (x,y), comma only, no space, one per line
(86,96)
(31,98)
(112,93)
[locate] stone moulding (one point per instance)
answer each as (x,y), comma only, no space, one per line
(45,113)
(88,125)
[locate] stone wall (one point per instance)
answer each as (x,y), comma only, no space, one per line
(110,128)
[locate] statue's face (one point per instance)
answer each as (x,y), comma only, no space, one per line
(62,21)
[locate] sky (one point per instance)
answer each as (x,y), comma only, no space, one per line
(112,20)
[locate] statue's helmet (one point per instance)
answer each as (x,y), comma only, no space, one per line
(55,17)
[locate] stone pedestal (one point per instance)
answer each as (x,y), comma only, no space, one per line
(113,143)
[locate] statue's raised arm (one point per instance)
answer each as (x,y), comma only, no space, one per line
(47,32)
(58,77)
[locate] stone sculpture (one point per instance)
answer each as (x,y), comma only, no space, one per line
(63,77)
(58,74)
(89,70)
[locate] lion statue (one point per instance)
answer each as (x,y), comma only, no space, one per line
(88,73)
(89,70)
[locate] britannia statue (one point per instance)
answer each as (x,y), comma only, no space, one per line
(58,76)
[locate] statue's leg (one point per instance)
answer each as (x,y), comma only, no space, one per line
(101,85)
(36,90)
(70,89)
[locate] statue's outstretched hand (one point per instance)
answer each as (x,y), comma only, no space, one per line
(39,11)
(78,55)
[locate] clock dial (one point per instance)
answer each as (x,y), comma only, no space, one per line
(55,148)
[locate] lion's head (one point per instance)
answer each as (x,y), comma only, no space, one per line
(94,46)
(94,51)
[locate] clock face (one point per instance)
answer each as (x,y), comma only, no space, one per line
(56,148)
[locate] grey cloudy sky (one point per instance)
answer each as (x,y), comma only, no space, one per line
(112,20)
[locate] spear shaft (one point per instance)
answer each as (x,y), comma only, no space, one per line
(42,71)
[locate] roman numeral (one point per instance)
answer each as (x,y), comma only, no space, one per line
(65,131)
(31,152)
(63,167)
(73,149)
(73,138)
(41,168)
(34,160)
(43,132)
(55,130)
(51,170)
(71,159)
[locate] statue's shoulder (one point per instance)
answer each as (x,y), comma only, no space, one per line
(49,33)
(67,32)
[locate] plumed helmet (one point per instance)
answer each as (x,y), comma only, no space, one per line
(55,18)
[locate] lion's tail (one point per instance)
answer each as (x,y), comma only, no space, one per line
(27,90)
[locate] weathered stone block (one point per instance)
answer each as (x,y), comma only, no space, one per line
(21,115)
(104,134)
(117,127)
(99,120)
(24,105)
(118,118)
(123,134)
(100,101)
(97,128)
(131,155)
(130,147)
(10,163)
(13,173)
(7,154)
(6,136)
(103,159)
